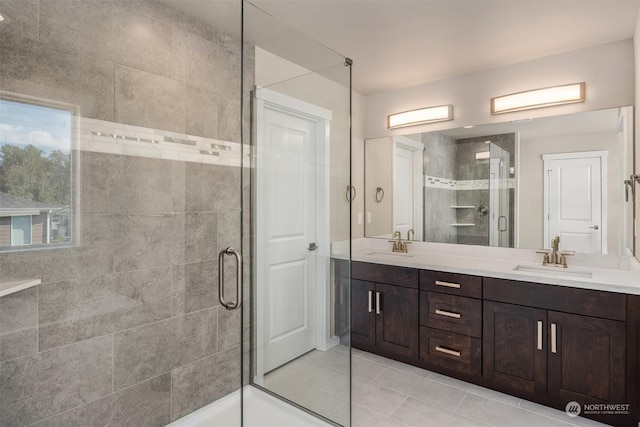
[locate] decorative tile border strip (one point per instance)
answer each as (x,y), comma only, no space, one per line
(472,184)
(115,138)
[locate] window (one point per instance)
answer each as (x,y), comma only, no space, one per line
(20,230)
(35,172)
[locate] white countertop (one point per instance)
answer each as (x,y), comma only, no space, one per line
(607,272)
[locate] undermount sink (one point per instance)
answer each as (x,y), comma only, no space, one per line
(400,254)
(554,271)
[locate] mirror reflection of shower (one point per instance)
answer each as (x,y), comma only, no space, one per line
(501,197)
(472,200)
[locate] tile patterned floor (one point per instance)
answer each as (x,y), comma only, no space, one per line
(387,393)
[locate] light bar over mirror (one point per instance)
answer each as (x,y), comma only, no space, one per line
(420,116)
(539,98)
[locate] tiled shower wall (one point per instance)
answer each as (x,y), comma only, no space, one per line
(126,328)
(470,169)
(454,177)
(440,163)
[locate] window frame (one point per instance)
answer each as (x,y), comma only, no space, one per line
(74,179)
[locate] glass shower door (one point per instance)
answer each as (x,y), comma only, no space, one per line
(300,167)
(500,221)
(121,182)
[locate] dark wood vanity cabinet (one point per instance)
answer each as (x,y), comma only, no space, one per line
(363,320)
(384,310)
(515,357)
(544,343)
(587,360)
(451,322)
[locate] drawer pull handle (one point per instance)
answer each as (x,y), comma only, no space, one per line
(447,351)
(539,334)
(554,341)
(448,284)
(370,294)
(448,314)
(378,309)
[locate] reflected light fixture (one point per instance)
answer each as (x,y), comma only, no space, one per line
(1,17)
(420,116)
(539,98)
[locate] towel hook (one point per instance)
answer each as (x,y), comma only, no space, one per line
(379,194)
(350,194)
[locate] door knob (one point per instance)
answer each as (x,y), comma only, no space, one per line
(312,246)
(595,227)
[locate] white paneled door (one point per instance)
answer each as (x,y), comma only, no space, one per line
(403,183)
(408,187)
(574,199)
(286,173)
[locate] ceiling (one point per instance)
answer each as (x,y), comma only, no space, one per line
(400,43)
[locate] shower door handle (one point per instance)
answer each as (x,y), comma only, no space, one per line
(231,305)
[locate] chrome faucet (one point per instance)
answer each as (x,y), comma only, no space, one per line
(552,259)
(399,245)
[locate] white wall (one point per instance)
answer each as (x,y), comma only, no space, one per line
(379,173)
(531,178)
(608,71)
(357,165)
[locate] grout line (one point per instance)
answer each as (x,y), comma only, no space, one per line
(171,395)
(546,416)
(171,290)
(494,399)
(115,83)
(217,330)
(461,401)
(380,374)
(399,404)
(113,362)
(168,319)
(39,23)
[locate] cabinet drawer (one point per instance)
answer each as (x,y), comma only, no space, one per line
(608,305)
(389,274)
(450,351)
(451,283)
(451,313)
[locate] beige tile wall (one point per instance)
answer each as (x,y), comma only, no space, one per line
(126,326)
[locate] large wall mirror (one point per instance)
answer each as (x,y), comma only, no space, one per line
(515,184)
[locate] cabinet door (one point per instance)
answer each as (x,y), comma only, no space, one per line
(397,323)
(514,347)
(586,359)
(363,321)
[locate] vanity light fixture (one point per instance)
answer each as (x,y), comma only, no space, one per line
(420,116)
(539,98)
